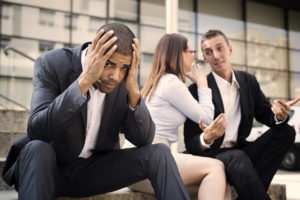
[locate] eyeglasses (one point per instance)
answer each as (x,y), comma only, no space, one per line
(190,51)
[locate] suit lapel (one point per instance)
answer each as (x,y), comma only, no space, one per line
(243,101)
(217,99)
(218,103)
(77,69)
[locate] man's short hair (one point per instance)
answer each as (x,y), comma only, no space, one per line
(125,37)
(213,33)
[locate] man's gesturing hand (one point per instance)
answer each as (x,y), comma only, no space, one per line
(131,82)
(281,109)
(96,58)
(215,130)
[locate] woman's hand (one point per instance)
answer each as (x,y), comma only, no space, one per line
(198,75)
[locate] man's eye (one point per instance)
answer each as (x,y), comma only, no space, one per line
(208,53)
(108,64)
(124,68)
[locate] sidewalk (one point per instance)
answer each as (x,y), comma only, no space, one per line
(290,179)
(292,182)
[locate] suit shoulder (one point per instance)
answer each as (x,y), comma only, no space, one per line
(56,55)
(245,75)
(193,90)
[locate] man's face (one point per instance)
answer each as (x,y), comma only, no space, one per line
(217,53)
(114,72)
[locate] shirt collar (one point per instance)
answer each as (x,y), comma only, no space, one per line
(222,83)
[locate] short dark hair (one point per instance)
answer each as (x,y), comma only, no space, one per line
(214,33)
(125,37)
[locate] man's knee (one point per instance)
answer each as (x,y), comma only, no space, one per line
(38,150)
(159,154)
(286,133)
(290,133)
(237,164)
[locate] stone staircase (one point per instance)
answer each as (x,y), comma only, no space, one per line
(13,124)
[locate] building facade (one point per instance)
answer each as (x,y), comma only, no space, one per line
(265,37)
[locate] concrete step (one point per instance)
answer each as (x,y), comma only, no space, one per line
(6,140)
(3,185)
(276,192)
(13,124)
(13,120)
(123,194)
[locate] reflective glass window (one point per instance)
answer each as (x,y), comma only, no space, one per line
(265,24)
(267,56)
(123,9)
(153,12)
(294,29)
(150,37)
(294,60)
(272,83)
(186,15)
(227,17)
(90,7)
(295,85)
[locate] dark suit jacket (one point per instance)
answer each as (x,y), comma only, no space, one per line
(59,111)
(253,104)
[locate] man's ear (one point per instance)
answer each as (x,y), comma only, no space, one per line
(230,50)
(203,56)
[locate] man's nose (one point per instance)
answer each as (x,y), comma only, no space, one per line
(114,74)
(216,54)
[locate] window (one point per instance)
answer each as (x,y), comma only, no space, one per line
(68,22)
(45,46)
(95,24)
(46,17)
(123,9)
(153,12)
(265,24)
(6,12)
(227,17)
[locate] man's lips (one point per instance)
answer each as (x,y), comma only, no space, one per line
(109,85)
(219,63)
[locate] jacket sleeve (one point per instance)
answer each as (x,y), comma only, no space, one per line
(192,131)
(51,108)
(262,107)
(139,128)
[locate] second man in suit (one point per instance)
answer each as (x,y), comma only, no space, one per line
(250,166)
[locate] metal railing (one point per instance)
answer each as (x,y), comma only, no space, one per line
(11,101)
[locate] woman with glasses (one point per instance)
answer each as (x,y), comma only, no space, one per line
(169,102)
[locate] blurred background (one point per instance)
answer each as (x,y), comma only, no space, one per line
(265,36)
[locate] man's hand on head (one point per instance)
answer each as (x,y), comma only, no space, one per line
(131,82)
(282,109)
(96,58)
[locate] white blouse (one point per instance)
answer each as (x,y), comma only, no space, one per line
(172,102)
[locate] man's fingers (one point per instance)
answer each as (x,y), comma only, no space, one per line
(281,104)
(201,124)
(137,45)
(135,57)
(103,50)
(104,40)
(110,52)
(293,102)
(96,39)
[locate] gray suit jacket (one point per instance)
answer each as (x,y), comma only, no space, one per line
(59,111)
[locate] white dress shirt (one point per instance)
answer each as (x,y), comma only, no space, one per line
(94,113)
(231,101)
